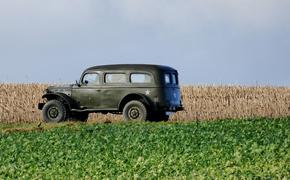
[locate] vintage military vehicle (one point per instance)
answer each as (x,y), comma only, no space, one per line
(140,92)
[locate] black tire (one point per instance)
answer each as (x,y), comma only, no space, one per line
(80,116)
(135,111)
(54,111)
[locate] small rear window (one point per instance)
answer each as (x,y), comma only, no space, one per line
(167,78)
(140,78)
(174,78)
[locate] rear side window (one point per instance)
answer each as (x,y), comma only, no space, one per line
(115,78)
(167,78)
(140,78)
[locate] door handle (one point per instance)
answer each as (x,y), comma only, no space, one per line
(98,90)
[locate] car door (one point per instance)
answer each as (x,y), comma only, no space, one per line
(88,94)
(114,89)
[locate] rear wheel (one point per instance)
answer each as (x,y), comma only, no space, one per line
(135,111)
(54,111)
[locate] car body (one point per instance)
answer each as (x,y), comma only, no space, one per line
(122,88)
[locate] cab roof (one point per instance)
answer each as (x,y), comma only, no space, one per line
(138,67)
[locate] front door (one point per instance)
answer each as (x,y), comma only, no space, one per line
(88,94)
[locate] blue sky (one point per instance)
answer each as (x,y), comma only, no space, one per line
(244,42)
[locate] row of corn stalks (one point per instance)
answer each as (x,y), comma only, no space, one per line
(18,103)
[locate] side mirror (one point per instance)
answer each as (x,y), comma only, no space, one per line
(78,84)
(86,82)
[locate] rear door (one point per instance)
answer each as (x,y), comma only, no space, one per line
(172,89)
(115,87)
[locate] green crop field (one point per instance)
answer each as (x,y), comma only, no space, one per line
(257,148)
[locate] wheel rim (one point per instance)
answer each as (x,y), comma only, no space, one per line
(53,112)
(134,113)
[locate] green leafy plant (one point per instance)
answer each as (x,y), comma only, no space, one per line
(257,148)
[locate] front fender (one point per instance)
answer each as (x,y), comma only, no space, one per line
(71,104)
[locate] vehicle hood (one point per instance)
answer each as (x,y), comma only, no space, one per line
(65,89)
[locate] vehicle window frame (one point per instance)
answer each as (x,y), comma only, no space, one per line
(141,73)
(109,83)
(85,84)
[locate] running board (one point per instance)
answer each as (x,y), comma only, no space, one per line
(94,110)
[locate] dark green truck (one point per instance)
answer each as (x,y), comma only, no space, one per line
(139,91)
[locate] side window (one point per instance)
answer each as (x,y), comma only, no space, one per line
(167,78)
(91,79)
(174,78)
(140,78)
(115,78)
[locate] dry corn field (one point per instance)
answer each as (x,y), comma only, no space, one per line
(18,103)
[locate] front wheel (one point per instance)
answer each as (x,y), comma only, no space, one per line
(54,111)
(135,111)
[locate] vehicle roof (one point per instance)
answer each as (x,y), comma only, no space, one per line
(138,67)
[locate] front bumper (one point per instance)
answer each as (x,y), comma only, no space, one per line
(40,106)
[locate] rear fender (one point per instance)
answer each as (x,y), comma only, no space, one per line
(135,96)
